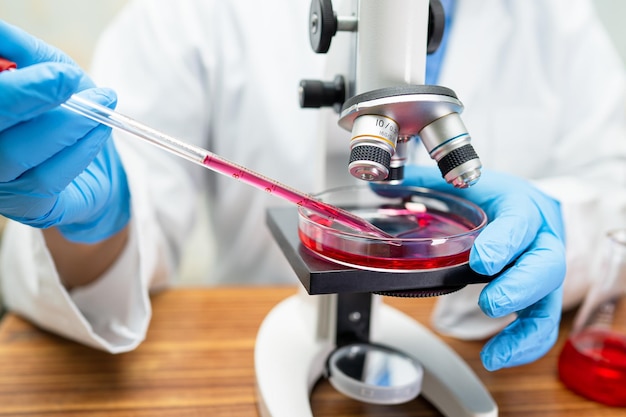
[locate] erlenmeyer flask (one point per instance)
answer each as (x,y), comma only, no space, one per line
(593,360)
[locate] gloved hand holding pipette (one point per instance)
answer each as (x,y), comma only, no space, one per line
(525,228)
(56,167)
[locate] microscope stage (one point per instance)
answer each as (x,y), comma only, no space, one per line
(320,276)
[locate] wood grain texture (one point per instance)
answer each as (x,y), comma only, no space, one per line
(197,360)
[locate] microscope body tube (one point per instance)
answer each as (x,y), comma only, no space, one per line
(392,104)
(384,101)
(392,41)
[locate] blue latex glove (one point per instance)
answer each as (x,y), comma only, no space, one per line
(524,226)
(56,168)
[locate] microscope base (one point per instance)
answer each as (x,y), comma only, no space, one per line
(289,361)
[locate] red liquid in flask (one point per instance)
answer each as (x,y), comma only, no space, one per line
(424,238)
(593,364)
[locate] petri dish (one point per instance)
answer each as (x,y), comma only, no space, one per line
(430,230)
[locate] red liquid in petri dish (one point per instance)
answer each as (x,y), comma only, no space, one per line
(429,249)
(593,364)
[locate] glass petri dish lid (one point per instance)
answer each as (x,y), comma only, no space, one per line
(430,230)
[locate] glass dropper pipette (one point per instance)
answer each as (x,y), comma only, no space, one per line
(218,164)
(210,160)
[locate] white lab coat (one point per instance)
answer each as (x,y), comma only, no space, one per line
(544,97)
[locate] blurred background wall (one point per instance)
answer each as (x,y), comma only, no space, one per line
(74,25)
(613,13)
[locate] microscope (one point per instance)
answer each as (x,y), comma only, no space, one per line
(337,326)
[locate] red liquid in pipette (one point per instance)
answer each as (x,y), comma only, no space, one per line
(593,364)
(301,199)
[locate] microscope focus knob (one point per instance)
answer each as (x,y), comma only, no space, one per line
(322,25)
(317,94)
(436,25)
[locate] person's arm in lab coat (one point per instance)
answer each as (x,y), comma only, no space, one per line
(106,305)
(80,264)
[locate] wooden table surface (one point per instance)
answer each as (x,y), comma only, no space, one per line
(198,357)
